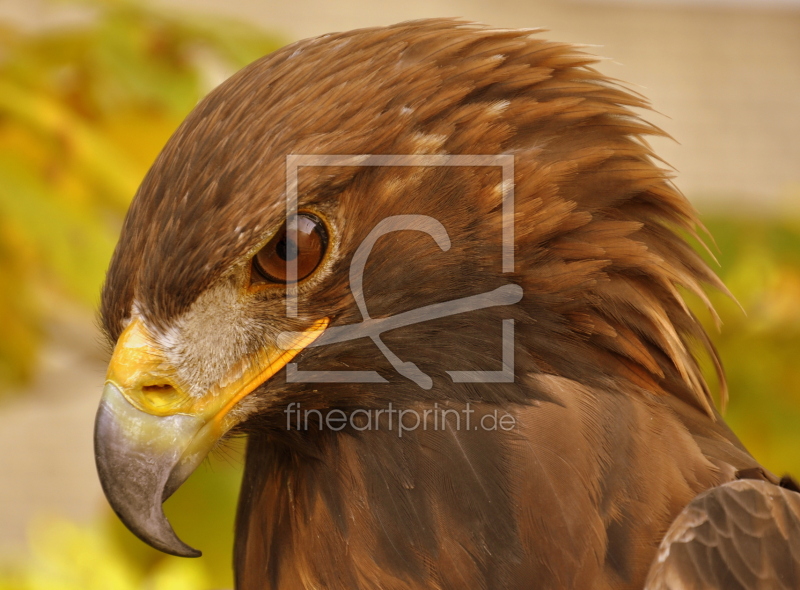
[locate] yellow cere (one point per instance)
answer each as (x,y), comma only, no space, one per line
(138,369)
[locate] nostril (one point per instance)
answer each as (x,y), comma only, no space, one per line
(160,396)
(165,389)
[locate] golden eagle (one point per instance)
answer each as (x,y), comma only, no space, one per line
(363,241)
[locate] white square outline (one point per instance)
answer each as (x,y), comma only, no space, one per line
(505,161)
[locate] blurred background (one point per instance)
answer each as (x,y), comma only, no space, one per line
(91,90)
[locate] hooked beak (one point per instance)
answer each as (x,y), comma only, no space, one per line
(150,434)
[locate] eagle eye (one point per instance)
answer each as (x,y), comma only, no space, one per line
(307,248)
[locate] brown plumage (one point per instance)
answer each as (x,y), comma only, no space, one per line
(739,535)
(616,430)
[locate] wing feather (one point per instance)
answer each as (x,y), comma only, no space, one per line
(743,535)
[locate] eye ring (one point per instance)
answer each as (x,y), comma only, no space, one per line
(270,265)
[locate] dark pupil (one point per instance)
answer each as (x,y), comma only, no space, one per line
(286,249)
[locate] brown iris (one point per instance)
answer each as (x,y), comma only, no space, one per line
(306,249)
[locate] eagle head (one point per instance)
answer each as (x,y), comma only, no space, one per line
(427,216)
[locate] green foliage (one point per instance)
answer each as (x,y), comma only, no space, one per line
(760,346)
(83,112)
(65,556)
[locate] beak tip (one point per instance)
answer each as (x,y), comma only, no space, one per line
(158,533)
(172,546)
(189,552)
(133,474)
